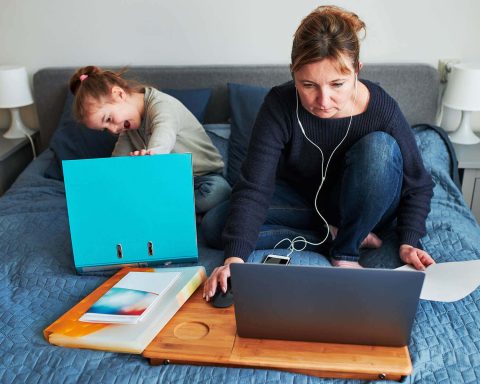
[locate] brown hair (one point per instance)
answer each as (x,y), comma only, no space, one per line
(327,32)
(94,82)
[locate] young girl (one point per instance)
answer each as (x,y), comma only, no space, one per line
(149,122)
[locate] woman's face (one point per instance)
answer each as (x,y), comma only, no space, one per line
(324,91)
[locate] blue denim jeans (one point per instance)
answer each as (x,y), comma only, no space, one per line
(364,198)
(210,190)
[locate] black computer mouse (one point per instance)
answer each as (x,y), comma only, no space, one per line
(223,300)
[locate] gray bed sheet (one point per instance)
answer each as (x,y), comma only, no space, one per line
(38,284)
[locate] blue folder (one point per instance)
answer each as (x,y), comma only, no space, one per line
(136,211)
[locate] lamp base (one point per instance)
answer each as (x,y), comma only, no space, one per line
(464,134)
(17,129)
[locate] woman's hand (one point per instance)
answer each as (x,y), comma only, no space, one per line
(416,257)
(142,152)
(219,276)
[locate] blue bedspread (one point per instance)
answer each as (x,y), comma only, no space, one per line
(38,284)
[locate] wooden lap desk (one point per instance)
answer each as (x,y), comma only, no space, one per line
(203,335)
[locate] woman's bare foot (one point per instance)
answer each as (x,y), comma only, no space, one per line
(371,241)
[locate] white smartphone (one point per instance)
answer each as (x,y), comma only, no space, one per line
(276,259)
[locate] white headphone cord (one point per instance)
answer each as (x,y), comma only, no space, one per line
(324,175)
(32,144)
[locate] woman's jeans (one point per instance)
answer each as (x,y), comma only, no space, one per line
(365,199)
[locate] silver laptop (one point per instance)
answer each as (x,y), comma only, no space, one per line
(331,305)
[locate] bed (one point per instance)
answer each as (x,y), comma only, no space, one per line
(38,280)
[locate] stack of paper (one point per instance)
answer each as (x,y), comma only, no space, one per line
(69,331)
(131,299)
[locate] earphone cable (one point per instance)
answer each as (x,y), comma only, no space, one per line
(302,239)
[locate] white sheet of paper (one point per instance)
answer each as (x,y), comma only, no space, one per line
(149,281)
(449,281)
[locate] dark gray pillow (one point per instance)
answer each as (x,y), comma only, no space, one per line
(196,100)
(245,102)
(219,134)
(73,140)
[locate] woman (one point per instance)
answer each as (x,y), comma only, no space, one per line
(330,149)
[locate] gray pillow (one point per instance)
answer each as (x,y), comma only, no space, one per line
(219,134)
(245,102)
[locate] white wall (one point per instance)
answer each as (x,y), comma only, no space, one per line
(45,33)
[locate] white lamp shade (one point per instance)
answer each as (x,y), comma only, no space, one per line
(14,87)
(463,88)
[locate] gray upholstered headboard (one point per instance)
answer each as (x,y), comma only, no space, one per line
(414,86)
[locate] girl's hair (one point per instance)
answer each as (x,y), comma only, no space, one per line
(92,82)
(328,32)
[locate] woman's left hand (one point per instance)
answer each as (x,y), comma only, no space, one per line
(416,257)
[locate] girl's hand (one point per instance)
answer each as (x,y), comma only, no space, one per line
(219,276)
(416,257)
(142,152)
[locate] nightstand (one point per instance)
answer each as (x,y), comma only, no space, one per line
(15,154)
(469,167)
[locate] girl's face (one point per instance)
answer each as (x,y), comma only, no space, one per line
(116,114)
(324,91)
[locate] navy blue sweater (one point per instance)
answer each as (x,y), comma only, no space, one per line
(278,149)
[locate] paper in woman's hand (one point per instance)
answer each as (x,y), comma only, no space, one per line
(449,281)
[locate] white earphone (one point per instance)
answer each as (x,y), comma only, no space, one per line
(324,175)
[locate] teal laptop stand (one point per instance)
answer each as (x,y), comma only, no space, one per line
(135,211)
